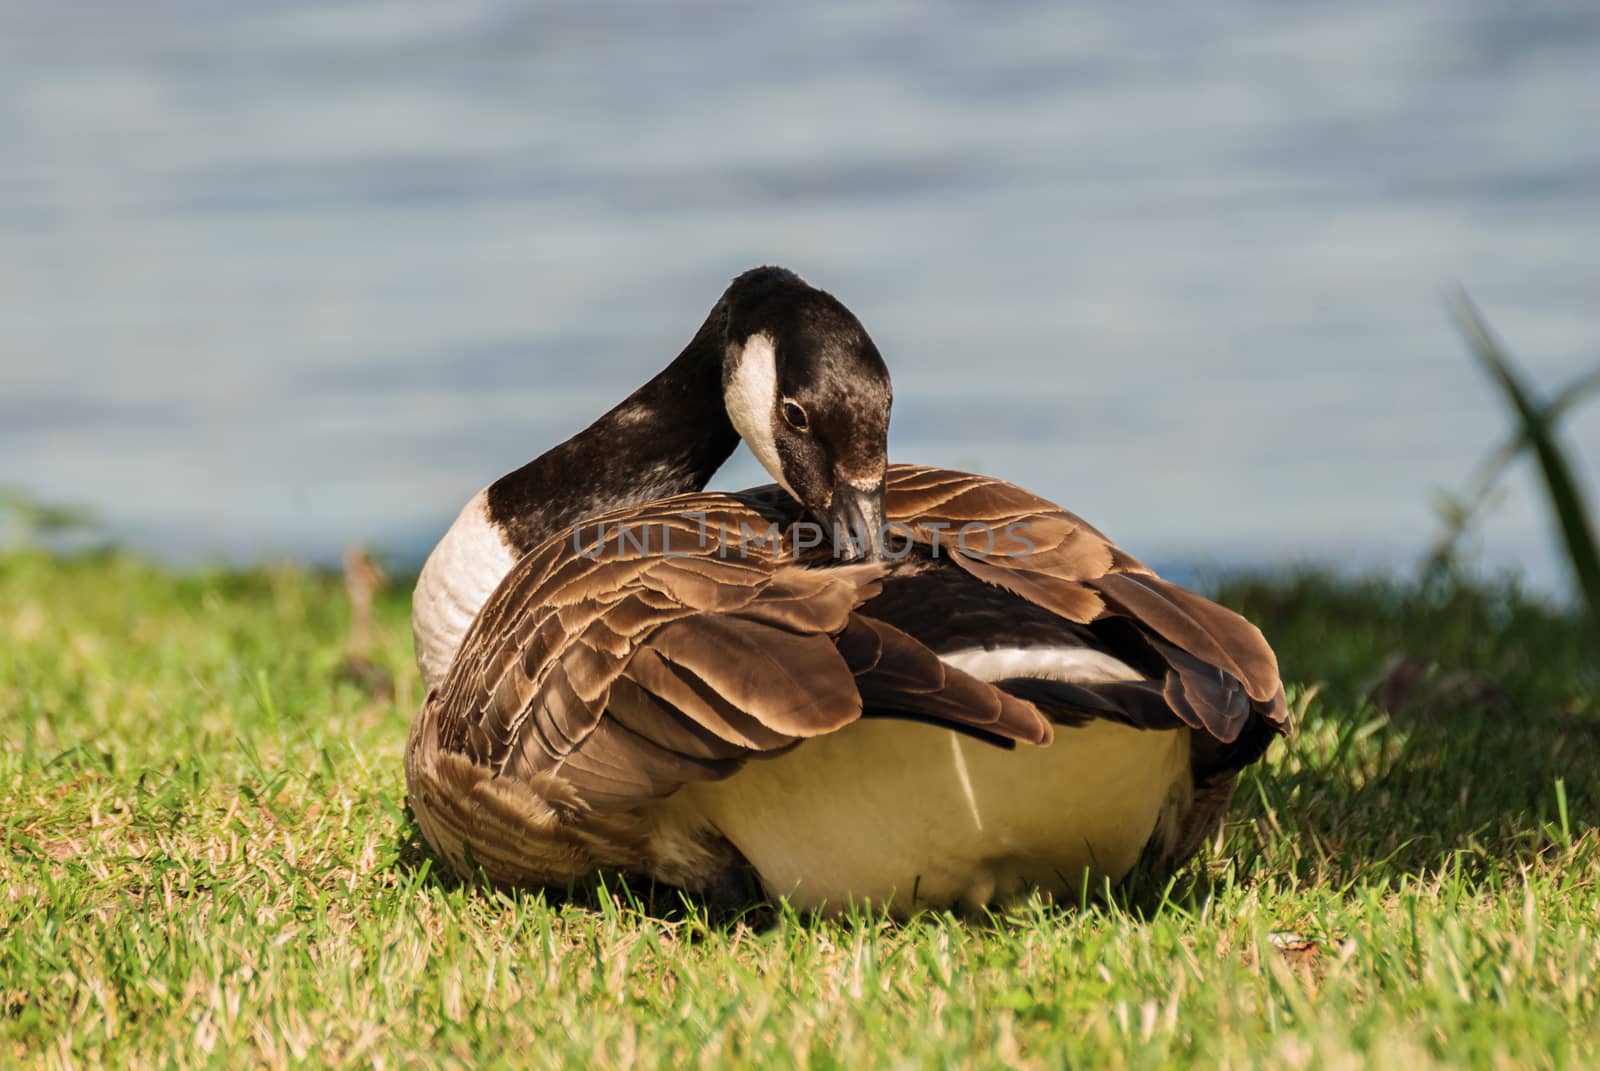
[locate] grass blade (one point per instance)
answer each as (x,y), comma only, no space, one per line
(1566,498)
(1460,511)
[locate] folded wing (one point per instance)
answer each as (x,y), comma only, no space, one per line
(625,672)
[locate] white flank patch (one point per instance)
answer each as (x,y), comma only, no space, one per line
(459,576)
(887,810)
(1075,665)
(750,397)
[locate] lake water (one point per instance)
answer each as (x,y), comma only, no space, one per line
(280,277)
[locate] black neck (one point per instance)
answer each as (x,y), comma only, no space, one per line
(669,436)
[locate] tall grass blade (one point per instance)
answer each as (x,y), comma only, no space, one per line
(1460,511)
(1566,498)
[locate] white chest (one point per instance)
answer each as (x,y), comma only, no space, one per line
(459,576)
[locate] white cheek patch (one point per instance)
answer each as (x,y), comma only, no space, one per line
(750,396)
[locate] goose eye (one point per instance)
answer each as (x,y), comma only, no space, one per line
(795,415)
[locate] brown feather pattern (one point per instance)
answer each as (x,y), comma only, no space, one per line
(603,673)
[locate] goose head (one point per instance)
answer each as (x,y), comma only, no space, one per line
(807,391)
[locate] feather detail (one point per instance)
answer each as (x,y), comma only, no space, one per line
(600,676)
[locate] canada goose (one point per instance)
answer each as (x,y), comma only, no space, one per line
(629,673)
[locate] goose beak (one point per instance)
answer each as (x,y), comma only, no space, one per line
(856,519)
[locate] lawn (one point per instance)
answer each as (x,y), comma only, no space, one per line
(207,861)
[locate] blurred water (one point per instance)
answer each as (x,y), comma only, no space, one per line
(279,277)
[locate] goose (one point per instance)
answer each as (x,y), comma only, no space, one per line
(864,684)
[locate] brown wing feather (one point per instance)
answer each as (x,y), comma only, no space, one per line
(1219,671)
(621,675)
(898,676)
(604,672)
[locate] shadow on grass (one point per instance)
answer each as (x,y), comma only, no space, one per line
(602,893)
(1457,728)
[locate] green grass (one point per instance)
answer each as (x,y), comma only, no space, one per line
(207,861)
